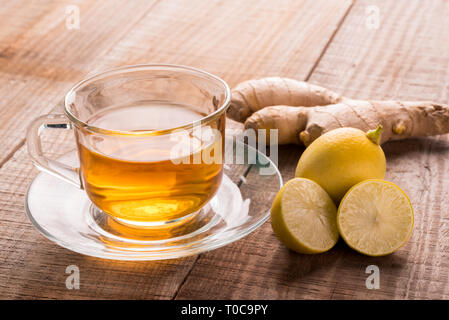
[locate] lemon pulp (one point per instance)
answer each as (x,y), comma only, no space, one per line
(303,217)
(375,217)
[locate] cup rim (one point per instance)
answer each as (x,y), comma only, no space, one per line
(224,105)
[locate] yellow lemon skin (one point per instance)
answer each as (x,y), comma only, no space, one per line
(341,158)
(375,218)
(303,217)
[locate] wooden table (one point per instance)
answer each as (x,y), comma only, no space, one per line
(363,49)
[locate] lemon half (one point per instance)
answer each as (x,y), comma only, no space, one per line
(375,217)
(303,217)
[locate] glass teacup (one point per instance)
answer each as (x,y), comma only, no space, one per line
(150,141)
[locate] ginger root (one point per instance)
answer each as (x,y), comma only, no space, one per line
(253,95)
(302,112)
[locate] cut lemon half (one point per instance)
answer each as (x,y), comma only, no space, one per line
(303,217)
(375,217)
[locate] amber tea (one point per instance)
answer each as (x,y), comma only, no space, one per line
(137,178)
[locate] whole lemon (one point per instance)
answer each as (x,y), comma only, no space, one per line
(341,158)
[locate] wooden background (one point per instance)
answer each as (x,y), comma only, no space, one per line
(334,43)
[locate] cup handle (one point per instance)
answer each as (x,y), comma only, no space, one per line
(55,168)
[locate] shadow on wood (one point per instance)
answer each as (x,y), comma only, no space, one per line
(411,147)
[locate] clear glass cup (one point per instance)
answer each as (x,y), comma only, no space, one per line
(150,140)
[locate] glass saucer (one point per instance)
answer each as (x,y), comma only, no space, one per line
(65,215)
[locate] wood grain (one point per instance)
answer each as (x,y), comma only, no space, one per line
(401,59)
(40,59)
(236,40)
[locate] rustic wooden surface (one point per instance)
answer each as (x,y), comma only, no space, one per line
(333,43)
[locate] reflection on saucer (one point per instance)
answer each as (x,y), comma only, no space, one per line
(234,212)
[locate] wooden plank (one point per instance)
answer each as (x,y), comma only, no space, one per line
(40,58)
(406,58)
(237,41)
